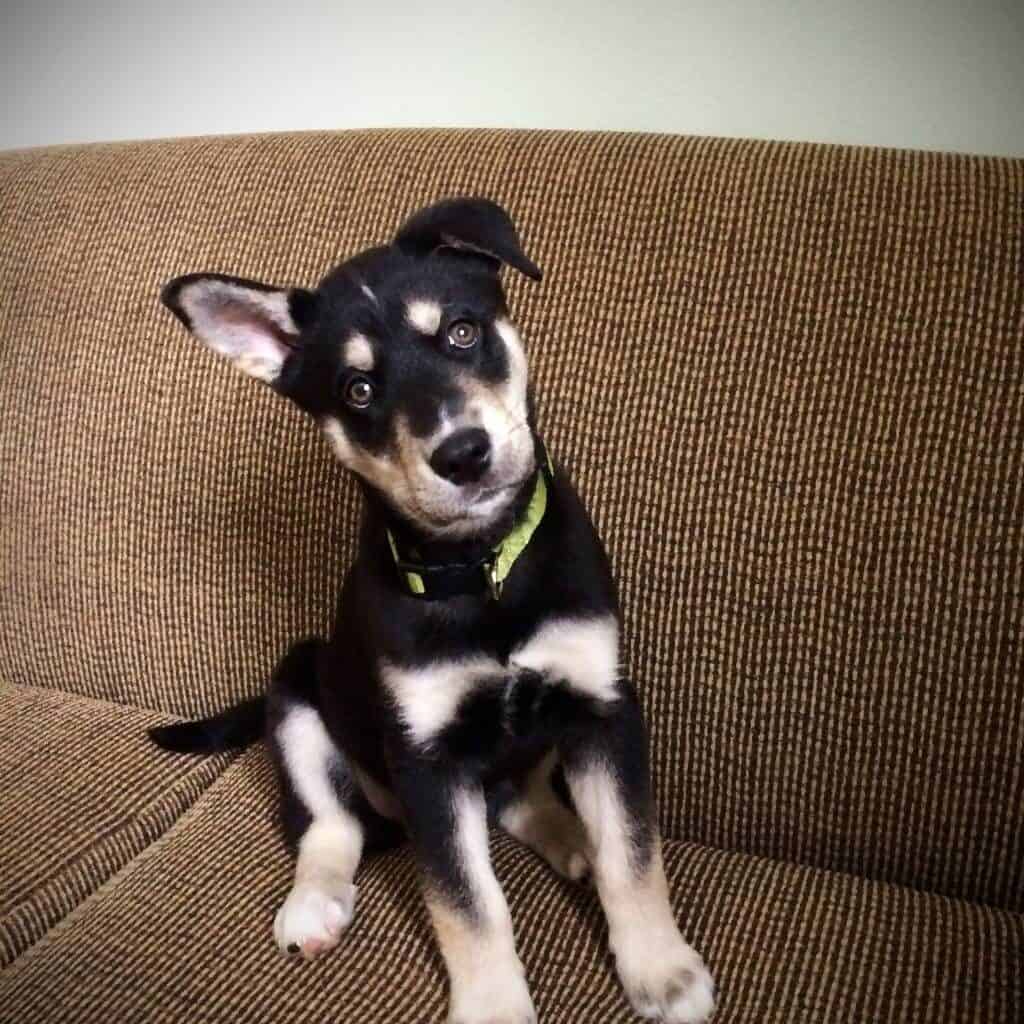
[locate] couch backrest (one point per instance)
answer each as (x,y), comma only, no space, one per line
(789,382)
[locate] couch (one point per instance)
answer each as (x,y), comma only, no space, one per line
(789,381)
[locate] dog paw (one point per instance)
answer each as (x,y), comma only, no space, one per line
(312,918)
(501,998)
(576,867)
(667,982)
(555,834)
(565,852)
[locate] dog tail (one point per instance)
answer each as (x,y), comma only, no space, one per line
(237,726)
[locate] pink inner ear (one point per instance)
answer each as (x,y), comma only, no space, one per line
(250,326)
(238,314)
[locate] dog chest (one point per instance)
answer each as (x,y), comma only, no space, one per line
(475,703)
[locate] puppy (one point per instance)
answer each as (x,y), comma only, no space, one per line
(472,675)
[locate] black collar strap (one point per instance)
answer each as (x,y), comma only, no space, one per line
(437,581)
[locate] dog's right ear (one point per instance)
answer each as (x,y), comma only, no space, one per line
(254,326)
(468,224)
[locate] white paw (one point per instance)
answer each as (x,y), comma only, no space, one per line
(312,919)
(666,981)
(493,998)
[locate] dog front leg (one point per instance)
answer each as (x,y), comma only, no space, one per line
(606,766)
(447,820)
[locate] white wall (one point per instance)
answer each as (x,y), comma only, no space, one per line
(939,74)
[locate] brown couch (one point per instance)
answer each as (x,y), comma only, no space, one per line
(789,379)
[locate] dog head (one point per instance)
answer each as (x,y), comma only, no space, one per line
(404,355)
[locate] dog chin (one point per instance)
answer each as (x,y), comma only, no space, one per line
(471,517)
(469,513)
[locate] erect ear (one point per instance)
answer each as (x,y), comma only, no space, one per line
(254,326)
(474,225)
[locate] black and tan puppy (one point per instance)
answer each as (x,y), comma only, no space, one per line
(473,672)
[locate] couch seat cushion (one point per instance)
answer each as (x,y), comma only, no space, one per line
(184,934)
(83,792)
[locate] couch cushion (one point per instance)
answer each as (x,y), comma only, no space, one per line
(83,792)
(788,381)
(184,933)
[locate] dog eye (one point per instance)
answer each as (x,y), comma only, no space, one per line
(463,333)
(359,392)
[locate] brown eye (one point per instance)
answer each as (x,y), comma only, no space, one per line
(359,393)
(463,333)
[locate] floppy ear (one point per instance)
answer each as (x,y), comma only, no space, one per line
(254,326)
(474,225)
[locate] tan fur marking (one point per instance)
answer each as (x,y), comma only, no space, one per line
(382,472)
(424,315)
(358,352)
(515,388)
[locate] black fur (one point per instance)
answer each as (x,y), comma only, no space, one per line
(426,789)
(620,740)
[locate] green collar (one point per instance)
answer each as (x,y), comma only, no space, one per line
(434,582)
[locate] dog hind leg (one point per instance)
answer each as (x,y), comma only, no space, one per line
(322,815)
(536,816)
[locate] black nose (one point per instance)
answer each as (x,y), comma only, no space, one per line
(464,457)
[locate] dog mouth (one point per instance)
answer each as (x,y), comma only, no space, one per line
(489,493)
(485,494)
(476,504)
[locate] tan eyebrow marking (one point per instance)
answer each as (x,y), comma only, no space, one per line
(358,352)
(424,315)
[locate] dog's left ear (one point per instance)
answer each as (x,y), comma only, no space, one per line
(470,225)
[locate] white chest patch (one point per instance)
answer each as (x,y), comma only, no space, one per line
(582,653)
(427,697)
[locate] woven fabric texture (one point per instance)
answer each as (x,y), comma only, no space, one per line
(787,379)
(83,792)
(184,933)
